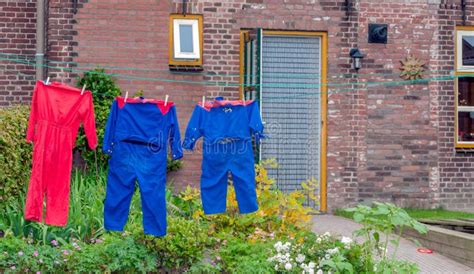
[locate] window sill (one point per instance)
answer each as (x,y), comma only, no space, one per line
(188,68)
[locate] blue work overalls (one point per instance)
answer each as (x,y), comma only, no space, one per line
(227,128)
(136,136)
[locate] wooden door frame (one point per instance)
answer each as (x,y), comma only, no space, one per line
(324,98)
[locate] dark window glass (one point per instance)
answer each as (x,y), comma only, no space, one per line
(466,92)
(468,50)
(466,126)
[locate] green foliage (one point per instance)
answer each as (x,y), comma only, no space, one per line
(104,90)
(173,165)
(15,154)
(236,255)
(421,213)
(195,243)
(114,254)
(85,220)
(437,213)
(380,222)
(182,246)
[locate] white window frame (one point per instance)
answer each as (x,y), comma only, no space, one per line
(196,54)
(459,65)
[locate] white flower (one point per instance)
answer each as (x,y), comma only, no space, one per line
(346,240)
(300,258)
(332,251)
(319,271)
(318,240)
(311,265)
(327,234)
(288,266)
(311,271)
(276,267)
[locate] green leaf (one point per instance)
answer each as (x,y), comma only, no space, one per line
(358,217)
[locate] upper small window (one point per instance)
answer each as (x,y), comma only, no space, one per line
(185,40)
(465,50)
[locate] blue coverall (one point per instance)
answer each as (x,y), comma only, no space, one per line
(227,129)
(136,136)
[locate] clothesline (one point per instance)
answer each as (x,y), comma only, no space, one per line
(31,59)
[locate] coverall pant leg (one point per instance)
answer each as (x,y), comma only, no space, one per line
(129,162)
(218,160)
(50,176)
(243,177)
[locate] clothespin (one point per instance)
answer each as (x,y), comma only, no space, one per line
(166,99)
(47,81)
(83,89)
(126,96)
(203,100)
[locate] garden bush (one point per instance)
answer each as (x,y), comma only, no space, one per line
(15,154)
(104,90)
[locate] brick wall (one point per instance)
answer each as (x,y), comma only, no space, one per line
(392,143)
(399,153)
(456,167)
(17,41)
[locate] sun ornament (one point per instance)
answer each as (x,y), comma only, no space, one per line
(412,68)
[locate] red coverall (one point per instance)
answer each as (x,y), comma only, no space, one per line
(57,111)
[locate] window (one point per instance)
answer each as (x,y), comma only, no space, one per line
(465,110)
(185,45)
(465,50)
(464,87)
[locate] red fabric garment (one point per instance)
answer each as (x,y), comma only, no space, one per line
(137,100)
(218,103)
(57,111)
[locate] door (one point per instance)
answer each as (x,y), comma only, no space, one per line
(286,73)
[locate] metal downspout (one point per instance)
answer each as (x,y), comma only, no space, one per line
(40,14)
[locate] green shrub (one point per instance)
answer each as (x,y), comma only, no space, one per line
(15,154)
(236,255)
(183,246)
(112,254)
(104,90)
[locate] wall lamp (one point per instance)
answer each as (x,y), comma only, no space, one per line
(356,56)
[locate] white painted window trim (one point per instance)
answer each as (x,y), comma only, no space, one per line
(459,65)
(196,54)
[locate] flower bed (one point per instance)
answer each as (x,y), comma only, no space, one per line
(277,238)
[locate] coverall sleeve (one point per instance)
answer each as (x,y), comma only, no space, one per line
(255,121)
(30,132)
(174,136)
(110,129)
(88,121)
(194,129)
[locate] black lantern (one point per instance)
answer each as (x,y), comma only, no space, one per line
(356,56)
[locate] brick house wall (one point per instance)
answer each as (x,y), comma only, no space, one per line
(17,38)
(392,143)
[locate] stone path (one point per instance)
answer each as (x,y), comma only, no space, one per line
(428,263)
